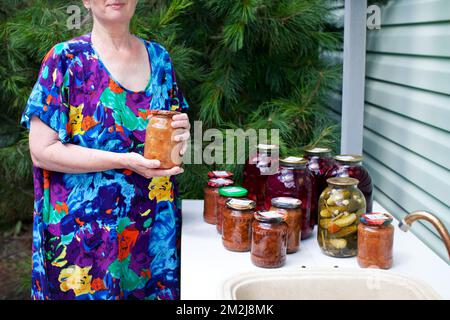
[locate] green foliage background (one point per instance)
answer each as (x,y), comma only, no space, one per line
(240,63)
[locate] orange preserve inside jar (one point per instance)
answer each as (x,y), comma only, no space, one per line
(159,139)
(224,194)
(375,241)
(293,219)
(237,224)
(269,239)
(211,198)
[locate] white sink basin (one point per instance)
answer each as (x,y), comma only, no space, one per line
(325,284)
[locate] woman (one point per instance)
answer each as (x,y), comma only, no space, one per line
(106,220)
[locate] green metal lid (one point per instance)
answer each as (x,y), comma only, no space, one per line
(233,191)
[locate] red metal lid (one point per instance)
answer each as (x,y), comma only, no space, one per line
(219,182)
(376,219)
(220,174)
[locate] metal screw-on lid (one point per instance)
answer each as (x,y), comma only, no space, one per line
(293,161)
(233,191)
(219,182)
(271,216)
(267,147)
(240,204)
(376,219)
(351,158)
(286,202)
(317,151)
(342,181)
(220,174)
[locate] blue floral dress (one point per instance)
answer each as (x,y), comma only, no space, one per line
(111,234)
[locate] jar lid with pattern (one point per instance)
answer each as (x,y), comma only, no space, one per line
(240,204)
(219,182)
(220,174)
(376,219)
(272,216)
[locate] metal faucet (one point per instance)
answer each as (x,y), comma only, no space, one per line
(405,224)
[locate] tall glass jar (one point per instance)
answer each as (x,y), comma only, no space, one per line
(159,139)
(351,166)
(269,239)
(256,171)
(293,210)
(319,163)
(226,193)
(294,179)
(237,224)
(211,198)
(341,205)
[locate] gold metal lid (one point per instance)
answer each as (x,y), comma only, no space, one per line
(352,158)
(293,161)
(240,204)
(342,181)
(318,150)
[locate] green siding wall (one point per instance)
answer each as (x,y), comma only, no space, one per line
(407,112)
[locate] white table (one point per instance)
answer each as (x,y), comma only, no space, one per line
(205,263)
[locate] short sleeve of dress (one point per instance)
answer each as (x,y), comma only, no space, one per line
(178,101)
(49,98)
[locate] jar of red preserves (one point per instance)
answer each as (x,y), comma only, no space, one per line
(257,169)
(159,139)
(320,163)
(293,212)
(237,224)
(351,166)
(211,198)
(224,194)
(294,179)
(269,239)
(375,241)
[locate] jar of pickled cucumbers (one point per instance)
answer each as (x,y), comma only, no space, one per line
(341,205)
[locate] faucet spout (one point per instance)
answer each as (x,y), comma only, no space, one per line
(407,221)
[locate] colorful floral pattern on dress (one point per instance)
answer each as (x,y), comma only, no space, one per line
(112,234)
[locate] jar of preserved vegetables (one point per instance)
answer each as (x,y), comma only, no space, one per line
(159,139)
(211,198)
(341,205)
(256,171)
(319,163)
(237,224)
(292,207)
(351,166)
(269,239)
(294,179)
(375,241)
(224,194)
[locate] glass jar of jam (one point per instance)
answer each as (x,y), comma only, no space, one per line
(224,194)
(257,169)
(294,179)
(237,224)
(319,163)
(375,241)
(293,211)
(159,139)
(351,166)
(269,239)
(341,205)
(211,198)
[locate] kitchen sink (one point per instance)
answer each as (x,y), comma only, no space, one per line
(325,284)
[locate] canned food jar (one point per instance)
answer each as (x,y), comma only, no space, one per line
(211,198)
(237,224)
(224,194)
(292,207)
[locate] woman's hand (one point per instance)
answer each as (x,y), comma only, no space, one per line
(181,123)
(147,168)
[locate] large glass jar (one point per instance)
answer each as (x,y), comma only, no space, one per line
(292,207)
(319,163)
(237,224)
(375,241)
(159,139)
(341,205)
(351,166)
(211,198)
(224,194)
(294,179)
(257,169)
(269,239)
